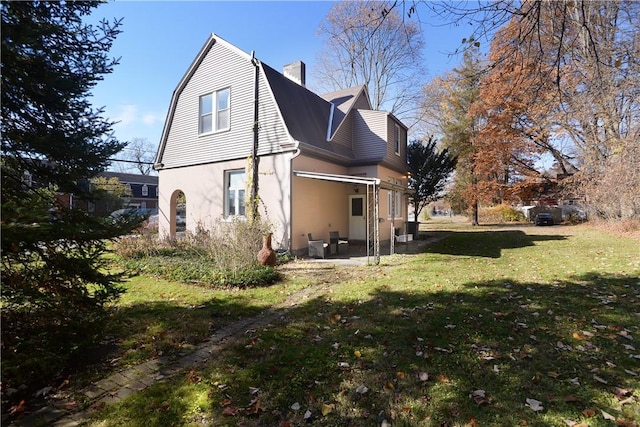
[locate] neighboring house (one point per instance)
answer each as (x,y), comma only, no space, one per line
(144,189)
(143,192)
(327,163)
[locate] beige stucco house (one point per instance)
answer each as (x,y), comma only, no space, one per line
(327,162)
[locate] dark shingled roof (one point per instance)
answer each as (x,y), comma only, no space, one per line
(305,114)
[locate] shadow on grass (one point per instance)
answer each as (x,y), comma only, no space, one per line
(416,358)
(487,243)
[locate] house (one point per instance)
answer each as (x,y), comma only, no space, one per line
(326,162)
(144,189)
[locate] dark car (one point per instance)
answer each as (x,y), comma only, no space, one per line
(544,218)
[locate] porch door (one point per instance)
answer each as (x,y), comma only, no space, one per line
(357,218)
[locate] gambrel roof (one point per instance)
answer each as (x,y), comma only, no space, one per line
(311,120)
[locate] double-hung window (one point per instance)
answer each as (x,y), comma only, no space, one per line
(235,187)
(395,204)
(215,111)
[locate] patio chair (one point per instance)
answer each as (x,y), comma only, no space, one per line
(335,239)
(317,248)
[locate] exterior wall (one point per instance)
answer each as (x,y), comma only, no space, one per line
(390,176)
(318,206)
(369,135)
(222,68)
(344,135)
(322,206)
(361,103)
(397,160)
(203,186)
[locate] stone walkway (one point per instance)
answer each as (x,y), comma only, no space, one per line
(122,384)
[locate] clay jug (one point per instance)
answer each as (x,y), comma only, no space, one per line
(267,256)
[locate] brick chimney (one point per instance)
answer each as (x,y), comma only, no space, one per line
(296,72)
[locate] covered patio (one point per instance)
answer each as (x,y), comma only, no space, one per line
(371,250)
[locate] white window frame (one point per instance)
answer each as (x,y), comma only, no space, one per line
(239,194)
(215,112)
(396,139)
(145,190)
(397,206)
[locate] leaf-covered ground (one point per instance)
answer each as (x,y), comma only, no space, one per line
(497,327)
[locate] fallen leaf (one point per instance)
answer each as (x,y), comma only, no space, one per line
(589,413)
(230,411)
(600,380)
(295,406)
(400,375)
(357,353)
(307,415)
(327,408)
(607,416)
(362,389)
(443,379)
(19,408)
(622,393)
(570,398)
(535,405)
(255,407)
(553,374)
(225,402)
(423,376)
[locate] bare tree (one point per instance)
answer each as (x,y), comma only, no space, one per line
(137,157)
(369,42)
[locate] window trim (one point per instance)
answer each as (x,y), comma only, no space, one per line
(240,204)
(397,214)
(396,139)
(145,190)
(215,112)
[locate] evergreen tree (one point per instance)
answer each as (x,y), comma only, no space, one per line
(429,170)
(54,285)
(460,129)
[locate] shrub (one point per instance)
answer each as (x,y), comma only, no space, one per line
(221,254)
(501,213)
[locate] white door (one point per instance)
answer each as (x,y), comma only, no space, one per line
(357,218)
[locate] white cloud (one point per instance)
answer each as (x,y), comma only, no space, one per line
(126,115)
(152,118)
(135,122)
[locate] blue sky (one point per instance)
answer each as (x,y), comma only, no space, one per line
(160,39)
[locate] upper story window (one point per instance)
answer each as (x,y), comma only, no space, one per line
(235,185)
(214,111)
(396,139)
(145,190)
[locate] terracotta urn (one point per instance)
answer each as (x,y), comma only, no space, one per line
(267,256)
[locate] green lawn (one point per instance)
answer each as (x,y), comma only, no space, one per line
(489,327)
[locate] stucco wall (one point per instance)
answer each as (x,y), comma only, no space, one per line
(203,186)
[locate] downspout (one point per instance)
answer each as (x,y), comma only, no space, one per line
(255,160)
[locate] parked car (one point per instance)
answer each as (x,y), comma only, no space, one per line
(133,211)
(544,218)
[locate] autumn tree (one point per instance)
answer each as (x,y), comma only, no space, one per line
(571,92)
(54,284)
(369,42)
(459,130)
(429,169)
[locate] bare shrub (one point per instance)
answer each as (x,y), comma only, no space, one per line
(230,245)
